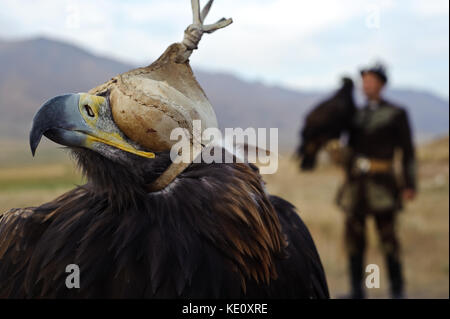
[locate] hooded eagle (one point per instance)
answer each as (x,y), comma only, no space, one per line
(143,226)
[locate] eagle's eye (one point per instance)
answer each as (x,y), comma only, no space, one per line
(89,111)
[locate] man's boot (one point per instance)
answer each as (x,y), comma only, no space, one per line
(356,276)
(396,276)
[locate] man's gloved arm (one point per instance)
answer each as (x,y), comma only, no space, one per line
(408,152)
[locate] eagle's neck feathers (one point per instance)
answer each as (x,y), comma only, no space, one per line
(220,207)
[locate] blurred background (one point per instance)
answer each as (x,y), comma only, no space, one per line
(278,59)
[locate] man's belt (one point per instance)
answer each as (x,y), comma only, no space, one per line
(367,165)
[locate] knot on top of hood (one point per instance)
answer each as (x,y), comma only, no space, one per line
(194,32)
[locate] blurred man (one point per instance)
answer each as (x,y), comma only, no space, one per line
(371,187)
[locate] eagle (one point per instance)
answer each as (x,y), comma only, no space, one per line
(143,226)
(327,121)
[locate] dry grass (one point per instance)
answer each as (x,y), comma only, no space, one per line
(423,226)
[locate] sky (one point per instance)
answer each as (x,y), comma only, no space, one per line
(305,45)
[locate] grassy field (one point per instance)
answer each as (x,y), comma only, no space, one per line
(423,225)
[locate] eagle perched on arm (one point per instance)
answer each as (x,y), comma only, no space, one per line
(325,122)
(144,226)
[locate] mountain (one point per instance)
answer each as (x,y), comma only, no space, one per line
(34,70)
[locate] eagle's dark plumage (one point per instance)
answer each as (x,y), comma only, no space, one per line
(326,122)
(214,232)
(145,226)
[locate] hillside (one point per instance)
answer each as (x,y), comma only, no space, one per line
(36,69)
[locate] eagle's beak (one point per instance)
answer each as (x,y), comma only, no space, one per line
(76,120)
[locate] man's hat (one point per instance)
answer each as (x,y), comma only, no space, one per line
(378,69)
